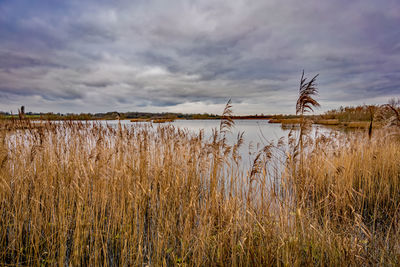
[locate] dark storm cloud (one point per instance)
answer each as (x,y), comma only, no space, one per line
(80,56)
(8,60)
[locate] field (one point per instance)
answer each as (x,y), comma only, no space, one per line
(86,194)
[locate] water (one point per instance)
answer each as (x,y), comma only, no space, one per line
(256,134)
(254,131)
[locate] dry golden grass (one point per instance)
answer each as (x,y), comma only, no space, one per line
(357,124)
(362,124)
(140,120)
(328,122)
(274,121)
(87,194)
(162,120)
(291,121)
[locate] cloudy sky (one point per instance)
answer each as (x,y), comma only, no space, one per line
(192,56)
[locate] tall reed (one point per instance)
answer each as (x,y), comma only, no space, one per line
(73,193)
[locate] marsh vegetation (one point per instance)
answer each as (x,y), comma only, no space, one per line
(74,193)
(77,193)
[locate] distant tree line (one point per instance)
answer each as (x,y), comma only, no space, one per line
(343,114)
(104,116)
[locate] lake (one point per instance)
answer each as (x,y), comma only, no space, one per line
(256,133)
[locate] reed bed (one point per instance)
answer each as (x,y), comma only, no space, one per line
(328,122)
(163,120)
(291,121)
(87,194)
(140,120)
(357,124)
(275,121)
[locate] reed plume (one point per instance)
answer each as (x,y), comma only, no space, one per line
(226,119)
(305,103)
(307,91)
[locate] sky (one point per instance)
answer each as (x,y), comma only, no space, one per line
(193,56)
